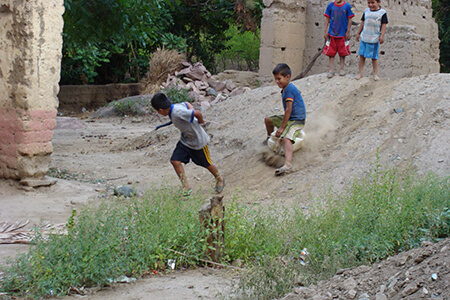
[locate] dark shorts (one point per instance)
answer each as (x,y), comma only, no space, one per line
(336,45)
(185,154)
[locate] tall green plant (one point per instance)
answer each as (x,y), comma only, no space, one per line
(241,50)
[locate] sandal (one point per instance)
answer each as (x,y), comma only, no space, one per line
(283,170)
(219,189)
(185,193)
(330,75)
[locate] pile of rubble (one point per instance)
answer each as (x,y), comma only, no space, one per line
(201,85)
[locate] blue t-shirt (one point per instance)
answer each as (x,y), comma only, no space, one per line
(339,15)
(291,93)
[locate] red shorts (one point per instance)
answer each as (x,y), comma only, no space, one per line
(336,45)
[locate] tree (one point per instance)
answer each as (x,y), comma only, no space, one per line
(441,13)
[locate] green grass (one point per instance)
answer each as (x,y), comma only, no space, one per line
(380,215)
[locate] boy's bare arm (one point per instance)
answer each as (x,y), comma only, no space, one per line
(327,23)
(349,26)
(287,115)
(361,26)
(383,31)
(199,116)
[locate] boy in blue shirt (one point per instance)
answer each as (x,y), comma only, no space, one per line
(337,33)
(371,31)
(193,144)
(293,120)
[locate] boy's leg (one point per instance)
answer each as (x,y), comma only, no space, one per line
(288,153)
(331,64)
(219,178)
(177,165)
(269,126)
(342,64)
(375,69)
(362,61)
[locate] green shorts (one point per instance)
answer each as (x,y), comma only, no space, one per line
(292,129)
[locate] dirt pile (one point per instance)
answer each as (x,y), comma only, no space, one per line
(403,121)
(421,273)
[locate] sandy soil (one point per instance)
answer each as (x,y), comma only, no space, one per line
(348,122)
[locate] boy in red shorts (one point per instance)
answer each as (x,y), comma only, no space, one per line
(337,33)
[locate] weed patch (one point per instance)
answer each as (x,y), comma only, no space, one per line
(382,214)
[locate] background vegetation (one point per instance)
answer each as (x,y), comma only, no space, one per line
(380,215)
(110,41)
(107,41)
(441,13)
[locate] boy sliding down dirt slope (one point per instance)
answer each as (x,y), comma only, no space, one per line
(193,144)
(293,120)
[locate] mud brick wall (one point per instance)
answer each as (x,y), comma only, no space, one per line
(411,47)
(73,98)
(30,47)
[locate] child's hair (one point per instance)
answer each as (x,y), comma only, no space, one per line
(160,101)
(282,69)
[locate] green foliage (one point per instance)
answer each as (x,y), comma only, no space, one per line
(241,50)
(107,241)
(118,28)
(380,215)
(441,13)
(178,95)
(131,107)
(110,40)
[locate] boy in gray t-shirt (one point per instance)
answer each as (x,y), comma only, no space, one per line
(193,144)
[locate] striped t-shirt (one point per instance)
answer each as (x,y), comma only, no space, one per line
(372,25)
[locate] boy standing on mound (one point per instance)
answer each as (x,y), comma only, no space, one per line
(371,31)
(293,120)
(337,33)
(193,144)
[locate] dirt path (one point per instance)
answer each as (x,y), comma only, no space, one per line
(348,122)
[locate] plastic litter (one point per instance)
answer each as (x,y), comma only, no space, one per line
(303,255)
(276,146)
(171,263)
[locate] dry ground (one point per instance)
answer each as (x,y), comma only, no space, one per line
(348,123)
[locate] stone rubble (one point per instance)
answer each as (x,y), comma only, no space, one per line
(202,86)
(421,273)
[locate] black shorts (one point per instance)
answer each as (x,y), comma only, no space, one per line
(185,154)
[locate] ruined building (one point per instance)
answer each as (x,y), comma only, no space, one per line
(30,59)
(292,32)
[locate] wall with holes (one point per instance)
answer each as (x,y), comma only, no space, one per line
(411,47)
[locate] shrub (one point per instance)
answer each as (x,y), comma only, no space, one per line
(178,95)
(380,215)
(162,63)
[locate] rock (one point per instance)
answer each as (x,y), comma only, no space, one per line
(349,284)
(352,294)
(239,91)
(410,289)
(211,92)
(380,296)
(364,296)
(123,190)
(35,182)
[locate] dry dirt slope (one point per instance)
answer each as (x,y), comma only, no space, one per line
(347,122)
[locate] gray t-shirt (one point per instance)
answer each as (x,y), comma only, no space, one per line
(192,134)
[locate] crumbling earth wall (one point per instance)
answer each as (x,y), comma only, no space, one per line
(30,47)
(411,47)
